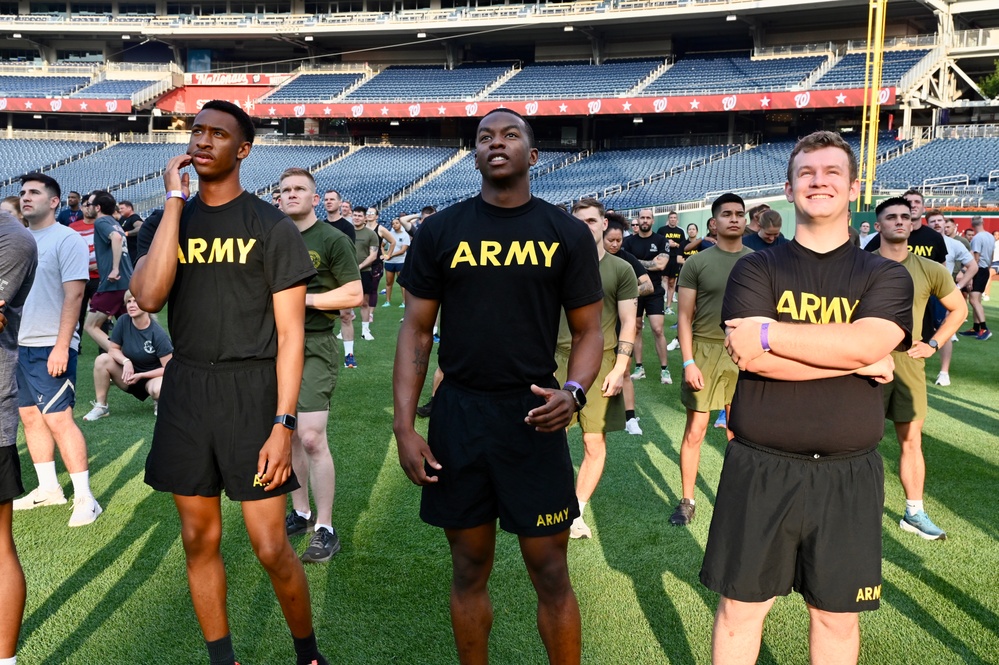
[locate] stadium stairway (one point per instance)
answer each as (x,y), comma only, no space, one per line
(409,190)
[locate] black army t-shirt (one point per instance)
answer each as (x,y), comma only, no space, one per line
(793,284)
(646,249)
(502,276)
(232,259)
(677,235)
(923,241)
(343,226)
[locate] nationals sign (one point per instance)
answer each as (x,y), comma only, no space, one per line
(748,101)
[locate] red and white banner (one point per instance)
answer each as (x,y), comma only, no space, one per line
(66,105)
(189,100)
(221,78)
(755,101)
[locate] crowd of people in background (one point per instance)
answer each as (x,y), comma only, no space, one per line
(97,267)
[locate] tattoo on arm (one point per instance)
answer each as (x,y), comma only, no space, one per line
(625,349)
(421,359)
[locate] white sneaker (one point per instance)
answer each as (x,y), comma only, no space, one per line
(638,374)
(85,511)
(38,497)
(676,297)
(955,338)
(669,310)
(339,336)
(631,427)
(674,345)
(578,529)
(368,336)
(156,408)
(943,379)
(99,411)
(665,378)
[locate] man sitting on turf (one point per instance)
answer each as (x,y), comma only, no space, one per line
(905,396)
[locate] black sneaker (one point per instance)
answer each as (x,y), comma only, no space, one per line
(322,546)
(684,513)
(295,524)
(424,411)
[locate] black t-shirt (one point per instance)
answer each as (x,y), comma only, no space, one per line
(677,235)
(795,285)
(344,226)
(635,263)
(923,241)
(646,249)
(233,258)
(128,225)
(758,244)
(143,347)
(502,276)
(146,233)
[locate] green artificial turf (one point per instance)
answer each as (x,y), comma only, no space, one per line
(116,592)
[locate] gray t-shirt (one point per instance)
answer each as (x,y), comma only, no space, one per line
(63,256)
(103,228)
(985,245)
(401,240)
(18,258)
(143,347)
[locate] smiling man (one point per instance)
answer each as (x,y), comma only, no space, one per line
(801,492)
(226,414)
(499,266)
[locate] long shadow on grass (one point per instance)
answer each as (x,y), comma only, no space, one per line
(638,540)
(957,479)
(903,557)
(145,521)
(956,408)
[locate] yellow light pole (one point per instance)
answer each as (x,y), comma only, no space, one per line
(876,17)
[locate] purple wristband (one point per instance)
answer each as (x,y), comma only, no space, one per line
(765,337)
(572,384)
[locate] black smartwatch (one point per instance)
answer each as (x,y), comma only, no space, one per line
(289,421)
(577,392)
(933,344)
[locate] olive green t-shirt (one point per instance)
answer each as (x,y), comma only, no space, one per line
(364,240)
(619,283)
(707,273)
(929,278)
(332,254)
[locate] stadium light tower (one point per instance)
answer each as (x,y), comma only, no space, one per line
(876,17)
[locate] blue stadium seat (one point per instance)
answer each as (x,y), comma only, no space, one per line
(575,79)
(733,73)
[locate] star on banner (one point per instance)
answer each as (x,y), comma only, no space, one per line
(248,104)
(271,111)
(841,98)
(384,110)
(627,106)
(83,106)
(764,102)
(327,111)
(441,110)
(562,108)
(27,105)
(694,104)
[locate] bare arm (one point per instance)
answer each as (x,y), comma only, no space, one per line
(839,346)
(372,255)
(957,312)
(408,220)
(385,235)
(409,373)
(656,264)
(583,366)
(685,333)
(970,268)
(69,318)
(627,315)
(645,285)
(154,273)
(274,460)
(346,296)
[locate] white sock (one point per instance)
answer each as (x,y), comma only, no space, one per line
(81,484)
(582,506)
(348,347)
(9,661)
(435,330)
(328,527)
(307,515)
(47,479)
(365,327)
(913,507)
(691,501)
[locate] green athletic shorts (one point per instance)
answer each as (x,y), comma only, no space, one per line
(905,397)
(720,375)
(601,414)
(322,362)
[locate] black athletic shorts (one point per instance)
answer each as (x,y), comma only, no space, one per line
(783,521)
(213,420)
(10,474)
(367,283)
(652,304)
(496,465)
(980,280)
(672,268)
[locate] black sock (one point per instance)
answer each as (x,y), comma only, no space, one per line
(629,414)
(978,327)
(638,366)
(307,652)
(220,651)
(663,367)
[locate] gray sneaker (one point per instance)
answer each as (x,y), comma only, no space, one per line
(684,513)
(295,524)
(322,546)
